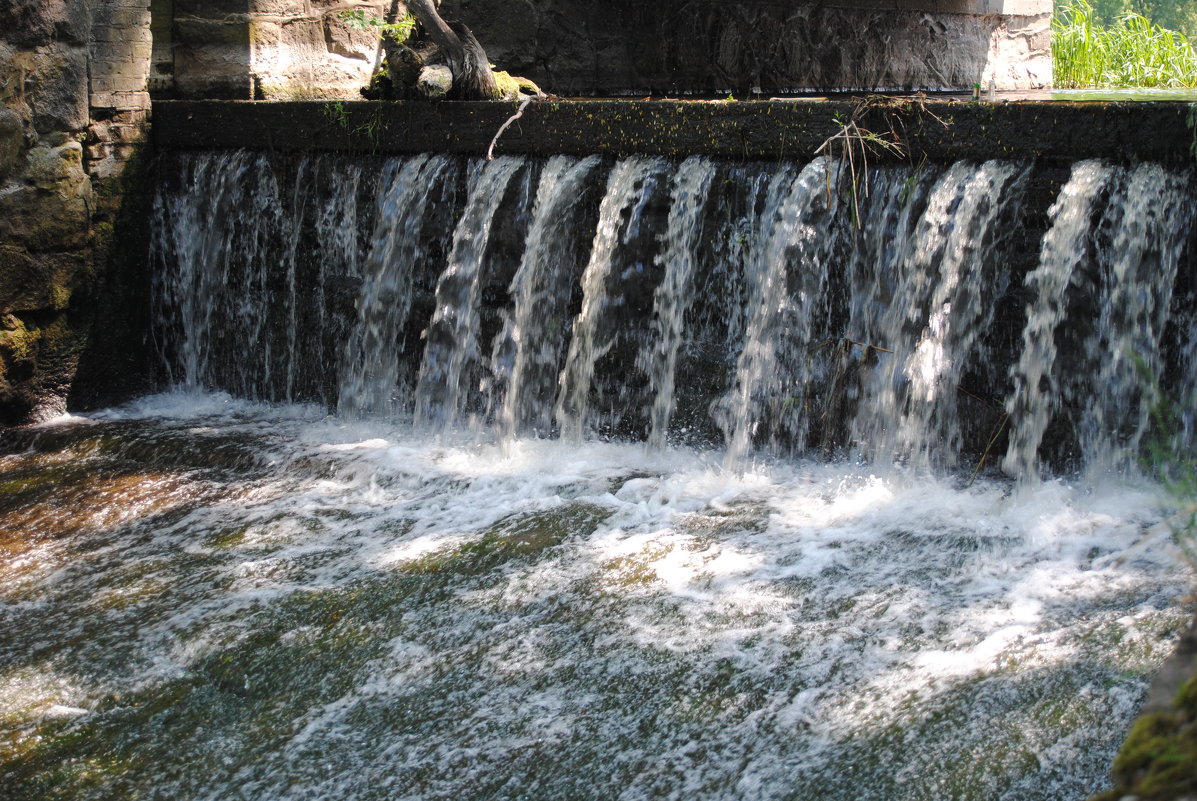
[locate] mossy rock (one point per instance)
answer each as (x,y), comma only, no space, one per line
(510,86)
(1158,760)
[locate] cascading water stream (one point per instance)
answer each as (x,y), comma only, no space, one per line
(1103,288)
(672,298)
(340,243)
(1035,394)
(204,245)
(370,366)
(788,275)
(1150,223)
(628,190)
(452,334)
(533,335)
(959,312)
(941,303)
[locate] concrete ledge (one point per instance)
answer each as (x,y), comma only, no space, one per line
(764,130)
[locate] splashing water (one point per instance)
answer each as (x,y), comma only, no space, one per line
(210,598)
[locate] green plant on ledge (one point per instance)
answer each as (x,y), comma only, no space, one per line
(398,32)
(335,113)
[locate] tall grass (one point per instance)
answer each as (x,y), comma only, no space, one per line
(1131,52)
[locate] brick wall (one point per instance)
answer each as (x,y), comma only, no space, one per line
(121,50)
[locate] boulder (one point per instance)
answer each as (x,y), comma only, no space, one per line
(37,22)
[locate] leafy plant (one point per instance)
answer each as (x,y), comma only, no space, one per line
(1133,52)
(357,19)
(336,114)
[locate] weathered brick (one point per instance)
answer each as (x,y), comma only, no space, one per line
(130,17)
(129,84)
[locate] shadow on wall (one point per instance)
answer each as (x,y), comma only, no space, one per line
(575,47)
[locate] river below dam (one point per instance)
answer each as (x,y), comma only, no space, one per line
(206,598)
(614,478)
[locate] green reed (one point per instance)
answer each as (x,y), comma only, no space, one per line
(1132,52)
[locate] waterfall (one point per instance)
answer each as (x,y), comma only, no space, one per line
(672,298)
(452,335)
(620,215)
(1149,220)
(1031,404)
(788,274)
(942,304)
(205,241)
(945,319)
(1102,292)
(370,366)
(346,557)
(527,351)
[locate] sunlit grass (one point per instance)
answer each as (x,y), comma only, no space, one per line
(1130,53)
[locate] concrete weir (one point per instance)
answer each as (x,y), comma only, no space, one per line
(938,129)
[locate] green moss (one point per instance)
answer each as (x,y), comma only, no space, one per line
(60,297)
(1158,760)
(59,335)
(227,538)
(1186,699)
(20,343)
(510,86)
(1147,739)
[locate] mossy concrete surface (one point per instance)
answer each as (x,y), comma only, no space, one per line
(940,130)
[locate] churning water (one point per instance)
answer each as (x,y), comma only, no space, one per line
(609,480)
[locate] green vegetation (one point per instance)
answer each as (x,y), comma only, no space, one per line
(1178,15)
(358,20)
(1130,51)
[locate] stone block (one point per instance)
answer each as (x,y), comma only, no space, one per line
(109,163)
(46,220)
(55,168)
(132,100)
(37,282)
(57,88)
(129,17)
(198,34)
(281,8)
(132,117)
(347,42)
(210,9)
(123,83)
